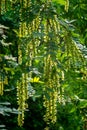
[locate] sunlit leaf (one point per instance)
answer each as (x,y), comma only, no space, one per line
(5,103)
(83,103)
(35,80)
(2,126)
(61,2)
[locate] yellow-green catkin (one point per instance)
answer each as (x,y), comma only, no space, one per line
(3,82)
(72,51)
(3,6)
(1,85)
(66,5)
(50,102)
(21,88)
(51,78)
(30,52)
(22,96)
(0,6)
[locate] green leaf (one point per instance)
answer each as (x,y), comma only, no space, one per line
(73,110)
(61,2)
(5,103)
(47,95)
(2,126)
(83,103)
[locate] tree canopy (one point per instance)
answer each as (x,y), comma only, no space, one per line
(43,64)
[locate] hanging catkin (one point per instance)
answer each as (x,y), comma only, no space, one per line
(66,5)
(3,79)
(29,52)
(51,77)
(22,90)
(0,6)
(52,92)
(1,85)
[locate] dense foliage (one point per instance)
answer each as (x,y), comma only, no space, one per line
(43,65)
